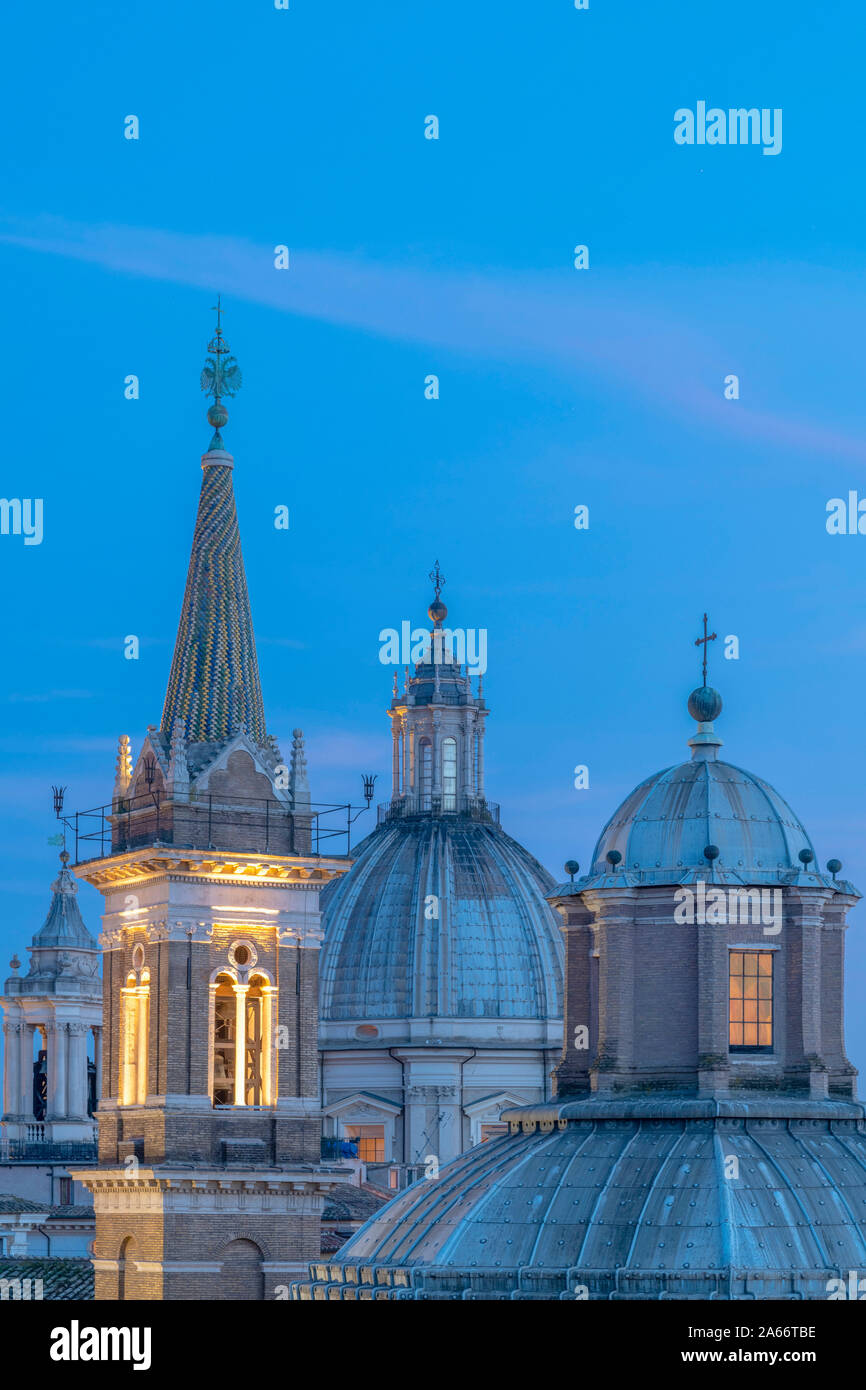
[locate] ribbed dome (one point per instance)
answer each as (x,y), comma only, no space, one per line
(630,1199)
(666,823)
(493,951)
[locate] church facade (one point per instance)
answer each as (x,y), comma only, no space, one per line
(441,976)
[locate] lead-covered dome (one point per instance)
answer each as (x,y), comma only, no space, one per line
(667,822)
(704,814)
(441,916)
(627,1199)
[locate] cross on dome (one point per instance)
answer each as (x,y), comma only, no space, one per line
(704,641)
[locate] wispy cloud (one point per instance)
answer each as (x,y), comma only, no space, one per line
(23,744)
(116,643)
(600,329)
(43,697)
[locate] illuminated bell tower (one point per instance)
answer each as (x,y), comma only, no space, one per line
(210,1184)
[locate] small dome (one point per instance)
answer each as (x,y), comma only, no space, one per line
(664,827)
(440,917)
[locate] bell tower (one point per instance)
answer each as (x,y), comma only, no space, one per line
(210,1184)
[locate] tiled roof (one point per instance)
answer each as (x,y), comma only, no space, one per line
(353,1204)
(71,1211)
(332,1241)
(9,1204)
(61,1279)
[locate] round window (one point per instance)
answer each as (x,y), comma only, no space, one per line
(243,954)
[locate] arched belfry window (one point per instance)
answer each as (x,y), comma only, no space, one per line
(242,1032)
(224,1038)
(449,774)
(134,1028)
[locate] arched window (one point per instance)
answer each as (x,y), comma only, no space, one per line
(449,774)
(242,1031)
(127,1251)
(426,773)
(224,1037)
(243,1277)
(134,1027)
(253,1043)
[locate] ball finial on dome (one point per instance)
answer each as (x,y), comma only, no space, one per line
(705,704)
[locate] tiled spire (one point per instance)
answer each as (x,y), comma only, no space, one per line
(214,686)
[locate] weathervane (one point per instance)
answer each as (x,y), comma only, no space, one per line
(437,579)
(221,376)
(703,641)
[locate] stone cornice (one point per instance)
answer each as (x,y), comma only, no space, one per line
(245,1191)
(161,862)
(200,927)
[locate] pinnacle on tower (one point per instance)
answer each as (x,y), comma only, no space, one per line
(123,773)
(299,784)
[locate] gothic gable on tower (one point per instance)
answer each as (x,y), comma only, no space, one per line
(235,767)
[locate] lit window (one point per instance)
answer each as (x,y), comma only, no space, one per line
(246,1006)
(751,1001)
(449,774)
(371,1141)
(134,1027)
(225,1029)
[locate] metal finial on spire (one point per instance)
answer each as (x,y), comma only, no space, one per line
(437,612)
(220,376)
(705,705)
(703,641)
(437,579)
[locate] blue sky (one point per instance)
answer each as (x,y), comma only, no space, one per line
(558,387)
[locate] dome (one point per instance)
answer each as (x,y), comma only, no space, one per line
(440,916)
(704,817)
(664,826)
(629,1199)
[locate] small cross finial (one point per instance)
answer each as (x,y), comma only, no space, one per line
(703,642)
(437,579)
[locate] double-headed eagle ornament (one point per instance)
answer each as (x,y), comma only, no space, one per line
(221,376)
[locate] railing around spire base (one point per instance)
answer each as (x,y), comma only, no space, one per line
(475,808)
(251,825)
